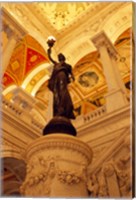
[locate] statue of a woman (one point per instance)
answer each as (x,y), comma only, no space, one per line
(61,76)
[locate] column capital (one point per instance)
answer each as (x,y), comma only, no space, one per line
(11,26)
(101,40)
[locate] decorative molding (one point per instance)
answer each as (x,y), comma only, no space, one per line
(60,141)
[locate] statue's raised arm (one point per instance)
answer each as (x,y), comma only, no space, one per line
(49,56)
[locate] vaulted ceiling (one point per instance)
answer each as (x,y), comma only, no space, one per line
(73,25)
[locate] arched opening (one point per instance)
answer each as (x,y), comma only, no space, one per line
(12,175)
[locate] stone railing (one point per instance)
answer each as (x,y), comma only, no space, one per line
(95,114)
(18,112)
(10,107)
(89,117)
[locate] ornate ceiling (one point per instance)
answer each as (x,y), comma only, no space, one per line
(27,56)
(29,63)
(61,14)
(90,86)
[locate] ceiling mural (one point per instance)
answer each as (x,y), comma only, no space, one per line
(88,79)
(27,55)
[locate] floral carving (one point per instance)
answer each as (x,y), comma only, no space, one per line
(69,177)
(39,172)
(50,168)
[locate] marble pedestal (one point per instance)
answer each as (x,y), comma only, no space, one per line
(57,167)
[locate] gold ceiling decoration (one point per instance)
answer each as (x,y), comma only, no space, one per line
(61,14)
(90,86)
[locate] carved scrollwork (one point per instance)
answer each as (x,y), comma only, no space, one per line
(108,169)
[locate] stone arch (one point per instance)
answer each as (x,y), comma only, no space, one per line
(11,188)
(41,68)
(39,38)
(16,166)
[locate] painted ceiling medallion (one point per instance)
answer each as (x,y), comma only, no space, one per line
(88,79)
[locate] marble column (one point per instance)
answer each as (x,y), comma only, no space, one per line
(116,96)
(57,167)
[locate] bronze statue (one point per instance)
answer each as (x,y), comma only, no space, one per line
(61,76)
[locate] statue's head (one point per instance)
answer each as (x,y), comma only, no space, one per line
(61,57)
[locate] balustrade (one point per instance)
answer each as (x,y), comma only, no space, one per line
(11,108)
(95,114)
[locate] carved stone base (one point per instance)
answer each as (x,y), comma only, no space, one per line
(59,125)
(57,167)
